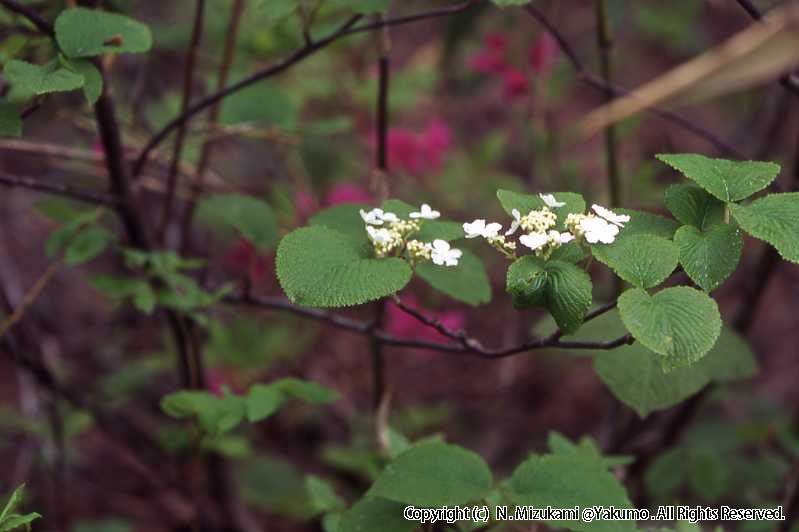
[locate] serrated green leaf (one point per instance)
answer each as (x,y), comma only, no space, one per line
(375,513)
(93,80)
(562,287)
(41,79)
(216,415)
(345,218)
(432,475)
(322,496)
(775,219)
(587,448)
(10,120)
(710,257)
(566,481)
(642,260)
(87,245)
(692,205)
(321,267)
(525,203)
(467,282)
(646,223)
(252,218)
(727,180)
(83,32)
(680,323)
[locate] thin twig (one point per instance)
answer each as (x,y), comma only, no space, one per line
(605,44)
(228,54)
(31,296)
(57,188)
(180,137)
(41,24)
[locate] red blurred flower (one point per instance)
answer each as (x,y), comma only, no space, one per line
(244,259)
(304,203)
(422,153)
(347,193)
(515,83)
(400,323)
(543,53)
(491,58)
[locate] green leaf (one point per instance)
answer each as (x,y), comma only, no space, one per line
(122,288)
(731,359)
(680,323)
(361,6)
(321,267)
(64,234)
(507,3)
(465,282)
(13,502)
(252,218)
(433,475)
(375,513)
(562,287)
(216,415)
(692,205)
(263,400)
(566,481)
(646,223)
(775,219)
(41,79)
(14,522)
(727,180)
(345,218)
(93,80)
(322,496)
(642,260)
(10,120)
(710,257)
(525,203)
(87,245)
(82,32)
(587,448)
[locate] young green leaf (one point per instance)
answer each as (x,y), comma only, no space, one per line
(61,237)
(41,79)
(121,288)
(83,32)
(13,522)
(727,180)
(13,502)
(465,282)
(587,448)
(775,219)
(216,415)
(680,323)
(692,205)
(252,218)
(87,245)
(375,513)
(322,496)
(709,257)
(321,267)
(562,287)
(263,400)
(525,203)
(93,80)
(642,260)
(566,481)
(10,120)
(434,474)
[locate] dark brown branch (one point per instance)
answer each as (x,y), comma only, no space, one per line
(41,24)
(180,137)
(345,30)
(57,188)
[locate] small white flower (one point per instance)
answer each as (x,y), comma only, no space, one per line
(426,212)
(534,240)
(443,255)
(380,236)
(560,238)
(612,217)
(598,230)
(517,219)
(377,217)
(480,228)
(550,201)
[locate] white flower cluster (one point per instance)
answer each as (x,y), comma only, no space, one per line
(388,234)
(539,233)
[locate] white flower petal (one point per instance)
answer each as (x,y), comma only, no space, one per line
(492,230)
(551,201)
(534,240)
(474,229)
(612,217)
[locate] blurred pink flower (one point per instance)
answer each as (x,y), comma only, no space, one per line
(515,83)
(304,203)
(244,259)
(491,58)
(422,153)
(400,323)
(218,379)
(347,193)
(543,53)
